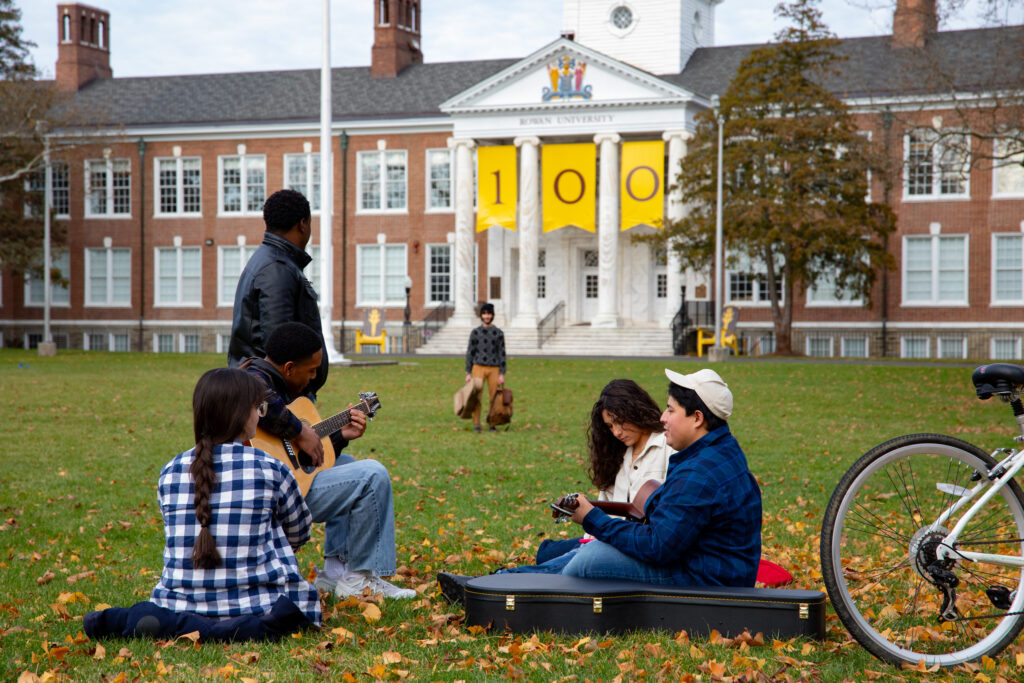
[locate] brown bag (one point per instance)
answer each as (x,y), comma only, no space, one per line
(501,407)
(467,398)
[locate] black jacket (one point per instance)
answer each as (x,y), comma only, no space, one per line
(272,290)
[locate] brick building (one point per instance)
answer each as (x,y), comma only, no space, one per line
(162,216)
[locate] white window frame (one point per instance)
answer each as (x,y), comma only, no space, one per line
(183,343)
(832,301)
(1018,158)
(246,251)
(756,301)
(64,190)
(179,302)
(113,342)
(844,351)
(109,302)
(382,155)
(313,189)
(55,287)
(87,344)
(312,269)
(937,175)
(156,342)
(428,301)
(995,300)
(946,338)
(1016,348)
(243,185)
(935,300)
(428,181)
(384,302)
(813,337)
(108,190)
(912,337)
(179,187)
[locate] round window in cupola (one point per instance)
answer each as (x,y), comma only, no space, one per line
(622,17)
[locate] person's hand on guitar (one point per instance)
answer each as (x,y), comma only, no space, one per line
(582,508)
(309,442)
(354,429)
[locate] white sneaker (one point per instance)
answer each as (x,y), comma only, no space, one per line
(355,582)
(390,590)
(324,583)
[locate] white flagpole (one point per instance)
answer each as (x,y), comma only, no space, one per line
(327,195)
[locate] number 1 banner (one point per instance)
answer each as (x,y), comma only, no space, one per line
(569,175)
(643,188)
(497,187)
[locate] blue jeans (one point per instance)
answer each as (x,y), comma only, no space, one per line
(354,500)
(597,560)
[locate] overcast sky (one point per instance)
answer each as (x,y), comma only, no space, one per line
(157,37)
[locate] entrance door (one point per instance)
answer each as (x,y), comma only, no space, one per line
(588,284)
(659,284)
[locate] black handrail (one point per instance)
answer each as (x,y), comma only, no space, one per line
(547,327)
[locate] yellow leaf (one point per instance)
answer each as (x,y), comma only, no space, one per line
(988,663)
(100,653)
(371,612)
(390,657)
(343,633)
(28,677)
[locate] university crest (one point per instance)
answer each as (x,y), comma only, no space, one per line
(567,79)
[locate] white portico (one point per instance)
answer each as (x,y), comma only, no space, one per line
(572,97)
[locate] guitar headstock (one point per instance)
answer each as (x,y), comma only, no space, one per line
(370,403)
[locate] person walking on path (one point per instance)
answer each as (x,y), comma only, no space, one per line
(485,357)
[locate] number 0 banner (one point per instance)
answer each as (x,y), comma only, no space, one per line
(643,187)
(569,179)
(497,187)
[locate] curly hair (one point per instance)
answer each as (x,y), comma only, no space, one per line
(283,209)
(625,401)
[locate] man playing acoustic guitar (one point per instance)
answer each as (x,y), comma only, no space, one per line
(353,497)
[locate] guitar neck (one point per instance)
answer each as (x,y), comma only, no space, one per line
(616,508)
(336,422)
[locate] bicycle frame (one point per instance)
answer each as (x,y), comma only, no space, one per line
(1011,465)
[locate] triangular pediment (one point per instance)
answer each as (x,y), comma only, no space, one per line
(566,75)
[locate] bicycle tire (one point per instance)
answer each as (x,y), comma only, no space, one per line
(871,556)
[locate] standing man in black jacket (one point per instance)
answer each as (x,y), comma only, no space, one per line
(272,289)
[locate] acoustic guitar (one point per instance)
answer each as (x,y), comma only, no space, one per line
(298,460)
(633,510)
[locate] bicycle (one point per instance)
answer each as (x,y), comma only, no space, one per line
(922,544)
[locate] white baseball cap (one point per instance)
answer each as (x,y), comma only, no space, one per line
(711,388)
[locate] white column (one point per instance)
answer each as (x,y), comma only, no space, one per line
(464,314)
(608,225)
(327,194)
(529,231)
(677,140)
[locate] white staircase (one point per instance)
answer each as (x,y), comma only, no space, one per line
(572,340)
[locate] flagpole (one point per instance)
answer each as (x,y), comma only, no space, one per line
(327,195)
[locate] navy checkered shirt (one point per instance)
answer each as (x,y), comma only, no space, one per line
(258,517)
(704,522)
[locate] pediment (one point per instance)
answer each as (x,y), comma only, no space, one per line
(565,75)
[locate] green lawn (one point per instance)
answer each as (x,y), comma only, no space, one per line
(85,435)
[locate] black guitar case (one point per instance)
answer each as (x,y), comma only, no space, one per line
(523,603)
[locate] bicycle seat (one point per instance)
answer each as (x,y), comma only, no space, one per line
(997,378)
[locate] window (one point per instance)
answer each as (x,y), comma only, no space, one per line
(119,342)
(243,184)
(179,186)
(622,17)
(232,261)
(163,343)
(439,283)
(381,274)
(95,341)
(382,181)
(302,174)
(661,278)
(60,195)
(823,293)
(936,166)
(34,339)
(108,188)
(747,283)
(178,276)
(108,277)
(952,347)
(312,271)
(190,343)
(1005,348)
(914,347)
(1008,269)
(820,347)
(439,179)
(542,276)
(853,347)
(35,290)
(1009,168)
(935,270)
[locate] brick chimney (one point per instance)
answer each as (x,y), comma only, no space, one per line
(913,22)
(83,45)
(396,37)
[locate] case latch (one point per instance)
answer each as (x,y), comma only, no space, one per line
(598,605)
(805,610)
(510,603)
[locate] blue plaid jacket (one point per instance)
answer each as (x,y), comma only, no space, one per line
(258,517)
(704,522)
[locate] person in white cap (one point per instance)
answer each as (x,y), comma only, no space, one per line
(704,523)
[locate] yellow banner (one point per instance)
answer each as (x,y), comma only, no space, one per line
(642,199)
(569,178)
(497,187)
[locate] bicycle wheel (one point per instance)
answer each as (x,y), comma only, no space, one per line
(877,541)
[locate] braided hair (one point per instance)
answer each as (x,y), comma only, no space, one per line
(625,401)
(221,405)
